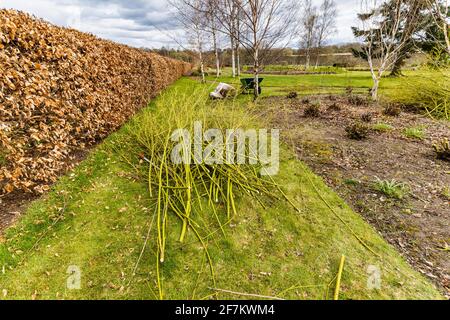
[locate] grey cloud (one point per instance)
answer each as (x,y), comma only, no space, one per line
(143,14)
(133,22)
(138,23)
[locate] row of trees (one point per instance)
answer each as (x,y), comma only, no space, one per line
(318,24)
(390,30)
(255,27)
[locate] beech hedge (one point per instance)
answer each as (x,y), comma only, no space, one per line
(62,90)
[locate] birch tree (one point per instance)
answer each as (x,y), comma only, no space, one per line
(265,24)
(309,27)
(213,28)
(238,38)
(192,17)
(381,22)
(326,25)
(227,12)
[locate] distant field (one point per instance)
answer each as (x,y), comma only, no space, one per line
(289,68)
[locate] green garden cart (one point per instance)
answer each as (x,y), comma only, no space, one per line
(248,85)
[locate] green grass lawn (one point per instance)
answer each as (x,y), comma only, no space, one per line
(97,218)
(360,81)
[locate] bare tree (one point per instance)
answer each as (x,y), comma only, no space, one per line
(326,25)
(309,28)
(238,38)
(380,35)
(227,13)
(256,25)
(191,14)
(213,28)
(230,15)
(266,23)
(198,38)
(222,17)
(231,20)
(440,12)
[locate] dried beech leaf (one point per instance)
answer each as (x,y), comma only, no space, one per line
(62,90)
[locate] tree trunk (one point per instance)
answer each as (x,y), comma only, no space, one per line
(233,57)
(200,56)
(216,52)
(374,91)
(238,41)
(308,59)
(202,68)
(447,40)
(397,68)
(256,73)
(319,46)
(238,61)
(218,71)
(375,77)
(400,59)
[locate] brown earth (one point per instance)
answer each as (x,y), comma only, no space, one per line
(14,204)
(417,225)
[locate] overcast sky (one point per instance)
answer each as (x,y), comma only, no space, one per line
(140,23)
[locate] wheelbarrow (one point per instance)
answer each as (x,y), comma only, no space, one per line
(248,84)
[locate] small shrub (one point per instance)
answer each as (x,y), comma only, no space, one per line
(351,182)
(417,133)
(292,95)
(357,100)
(349,90)
(367,117)
(392,189)
(357,131)
(392,110)
(332,98)
(442,149)
(334,107)
(305,100)
(445,193)
(382,127)
(312,110)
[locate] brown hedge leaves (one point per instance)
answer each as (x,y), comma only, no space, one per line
(62,90)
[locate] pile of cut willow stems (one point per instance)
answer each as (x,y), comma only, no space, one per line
(183,189)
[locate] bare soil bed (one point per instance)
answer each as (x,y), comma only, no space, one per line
(417,225)
(12,205)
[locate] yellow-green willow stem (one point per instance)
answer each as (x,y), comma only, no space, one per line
(339,277)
